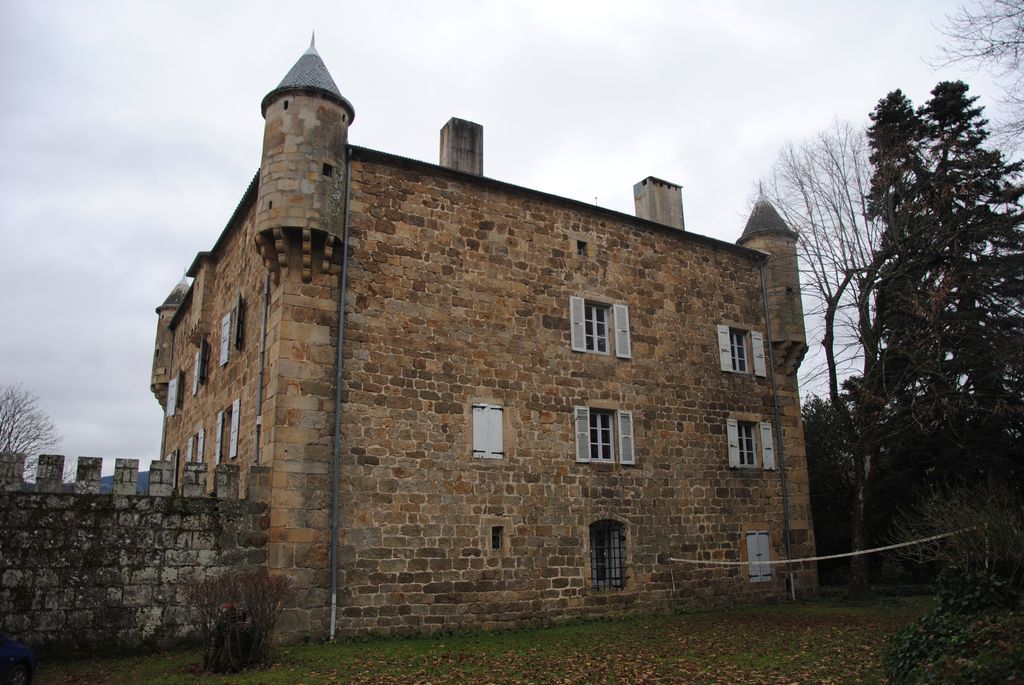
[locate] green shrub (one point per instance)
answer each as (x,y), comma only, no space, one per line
(972,636)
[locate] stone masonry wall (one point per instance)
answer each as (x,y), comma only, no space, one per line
(459,293)
(87,570)
(231,271)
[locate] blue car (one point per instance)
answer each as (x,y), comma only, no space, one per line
(17,664)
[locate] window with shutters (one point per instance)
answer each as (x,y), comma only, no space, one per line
(225,338)
(746,443)
(745,438)
(239,323)
(607,554)
(200,364)
(604,436)
(488,433)
(598,327)
(741,351)
(759,552)
(172,396)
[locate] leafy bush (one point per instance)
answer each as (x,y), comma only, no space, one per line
(957,648)
(974,633)
(238,612)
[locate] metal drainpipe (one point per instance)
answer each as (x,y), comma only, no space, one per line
(259,378)
(778,432)
(336,467)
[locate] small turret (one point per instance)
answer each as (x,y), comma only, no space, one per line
(301,184)
(161,375)
(767,232)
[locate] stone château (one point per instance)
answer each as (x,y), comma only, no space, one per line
(472,404)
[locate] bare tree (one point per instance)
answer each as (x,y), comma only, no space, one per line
(25,427)
(990,36)
(820,187)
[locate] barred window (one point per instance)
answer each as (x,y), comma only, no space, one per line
(607,543)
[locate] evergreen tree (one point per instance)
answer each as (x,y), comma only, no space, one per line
(945,394)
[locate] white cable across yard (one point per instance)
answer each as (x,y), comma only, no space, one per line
(828,556)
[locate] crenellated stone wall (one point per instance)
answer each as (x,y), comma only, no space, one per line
(82,569)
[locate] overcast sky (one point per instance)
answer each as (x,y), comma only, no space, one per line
(130,130)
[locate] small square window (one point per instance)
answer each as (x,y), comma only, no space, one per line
(581,248)
(596,326)
(328,170)
(497,536)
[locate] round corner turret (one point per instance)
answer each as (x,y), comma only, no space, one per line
(767,232)
(300,202)
(161,375)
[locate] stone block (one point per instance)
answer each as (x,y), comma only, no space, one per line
(126,476)
(225,483)
(161,478)
(50,473)
(194,480)
(12,471)
(87,477)
(258,488)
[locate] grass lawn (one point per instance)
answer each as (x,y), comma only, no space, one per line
(788,643)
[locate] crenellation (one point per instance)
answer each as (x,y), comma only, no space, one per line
(194,480)
(50,473)
(226,481)
(126,476)
(87,475)
(12,471)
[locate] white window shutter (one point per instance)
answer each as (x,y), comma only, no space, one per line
(767,446)
(752,568)
(495,432)
(577,330)
(233,445)
(200,444)
(188,449)
(757,343)
(172,396)
(627,454)
(724,349)
(195,372)
(219,438)
(479,430)
(764,553)
(581,420)
(225,338)
(732,429)
(758,552)
(620,315)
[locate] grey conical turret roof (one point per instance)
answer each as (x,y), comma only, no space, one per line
(765,219)
(177,295)
(309,74)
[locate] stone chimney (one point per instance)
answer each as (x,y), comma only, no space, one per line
(659,201)
(462,146)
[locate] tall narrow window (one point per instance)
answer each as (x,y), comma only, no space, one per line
(601,447)
(607,542)
(497,536)
(225,338)
(596,326)
(738,350)
(746,437)
(741,444)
